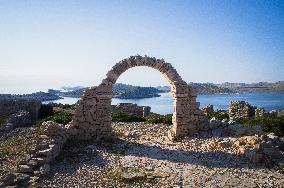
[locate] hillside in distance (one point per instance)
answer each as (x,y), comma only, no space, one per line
(202,88)
(260,87)
(124,91)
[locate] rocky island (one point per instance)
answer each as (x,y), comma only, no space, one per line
(122,91)
(41,96)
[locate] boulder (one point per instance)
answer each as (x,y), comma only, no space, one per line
(238,130)
(132,175)
(214,123)
(225,120)
(272,152)
(217,132)
(44,169)
(133,134)
(253,156)
(256,129)
(25,169)
(272,137)
(8,180)
(51,128)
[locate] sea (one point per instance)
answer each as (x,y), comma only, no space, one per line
(164,103)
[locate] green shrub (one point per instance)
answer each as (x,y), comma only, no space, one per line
(268,124)
(220,115)
(125,117)
(45,111)
(166,119)
(63,106)
(62,117)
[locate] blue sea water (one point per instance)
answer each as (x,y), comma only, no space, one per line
(164,103)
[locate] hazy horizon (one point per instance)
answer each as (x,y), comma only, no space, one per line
(33,90)
(49,44)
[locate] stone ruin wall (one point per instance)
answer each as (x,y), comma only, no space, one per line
(131,108)
(92,118)
(243,110)
(9,107)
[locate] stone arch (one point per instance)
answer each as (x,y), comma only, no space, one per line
(92,118)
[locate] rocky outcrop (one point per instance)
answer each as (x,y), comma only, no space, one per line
(250,142)
(260,148)
(226,128)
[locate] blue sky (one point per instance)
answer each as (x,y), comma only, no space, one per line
(48,44)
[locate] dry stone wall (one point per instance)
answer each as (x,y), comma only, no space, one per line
(133,109)
(92,119)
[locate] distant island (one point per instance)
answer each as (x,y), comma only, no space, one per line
(210,88)
(260,87)
(41,96)
(124,91)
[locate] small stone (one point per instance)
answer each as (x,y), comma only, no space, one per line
(160,174)
(32,163)
(25,169)
(21,177)
(225,144)
(44,169)
(132,175)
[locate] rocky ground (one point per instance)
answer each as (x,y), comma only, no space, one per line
(14,147)
(145,157)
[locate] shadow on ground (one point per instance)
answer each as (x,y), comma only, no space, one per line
(74,156)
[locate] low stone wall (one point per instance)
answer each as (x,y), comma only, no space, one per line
(9,107)
(243,110)
(37,163)
(131,108)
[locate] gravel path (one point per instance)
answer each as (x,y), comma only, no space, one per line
(144,157)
